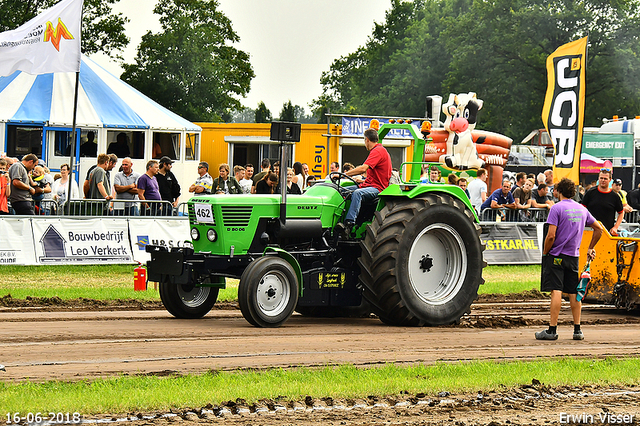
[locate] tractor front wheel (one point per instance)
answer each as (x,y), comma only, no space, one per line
(422,261)
(187,301)
(268,292)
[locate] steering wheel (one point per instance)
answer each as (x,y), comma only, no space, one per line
(336,176)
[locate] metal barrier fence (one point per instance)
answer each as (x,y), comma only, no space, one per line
(513,215)
(534,215)
(165,208)
(108,208)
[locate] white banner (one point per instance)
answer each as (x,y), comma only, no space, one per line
(48,43)
(87,241)
(16,243)
(168,233)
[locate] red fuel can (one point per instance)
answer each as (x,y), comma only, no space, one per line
(140,279)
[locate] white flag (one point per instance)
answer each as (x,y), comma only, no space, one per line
(50,42)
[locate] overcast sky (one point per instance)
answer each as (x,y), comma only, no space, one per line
(290,42)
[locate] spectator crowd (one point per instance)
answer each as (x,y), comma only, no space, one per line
(28,187)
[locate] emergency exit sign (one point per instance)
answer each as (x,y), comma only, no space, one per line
(608,145)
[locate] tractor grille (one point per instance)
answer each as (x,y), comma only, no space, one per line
(236,215)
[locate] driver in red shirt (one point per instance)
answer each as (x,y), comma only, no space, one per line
(378,169)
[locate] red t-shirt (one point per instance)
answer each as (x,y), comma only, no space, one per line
(379,171)
(3,194)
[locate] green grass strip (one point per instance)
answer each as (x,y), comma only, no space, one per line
(109,282)
(100,282)
(126,394)
(505,279)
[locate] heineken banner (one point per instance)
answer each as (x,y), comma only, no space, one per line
(512,244)
(168,233)
(563,110)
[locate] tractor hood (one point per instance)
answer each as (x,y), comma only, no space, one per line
(237,220)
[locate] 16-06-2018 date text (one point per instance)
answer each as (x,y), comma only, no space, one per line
(47,417)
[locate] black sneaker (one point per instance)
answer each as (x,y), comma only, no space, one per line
(545,335)
(577,335)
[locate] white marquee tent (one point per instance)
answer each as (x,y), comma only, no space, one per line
(36,115)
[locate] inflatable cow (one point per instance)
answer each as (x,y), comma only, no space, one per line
(461,113)
(459,146)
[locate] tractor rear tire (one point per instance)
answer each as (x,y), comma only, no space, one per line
(187,301)
(268,292)
(421,261)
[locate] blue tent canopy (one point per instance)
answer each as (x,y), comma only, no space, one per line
(103,101)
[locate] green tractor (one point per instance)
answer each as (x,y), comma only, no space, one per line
(413,258)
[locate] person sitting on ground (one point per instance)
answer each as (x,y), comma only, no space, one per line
(204,182)
(267,184)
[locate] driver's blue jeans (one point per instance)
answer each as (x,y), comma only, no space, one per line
(359,195)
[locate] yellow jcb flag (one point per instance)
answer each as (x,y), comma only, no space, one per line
(563,111)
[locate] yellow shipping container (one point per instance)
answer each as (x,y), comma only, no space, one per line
(242,143)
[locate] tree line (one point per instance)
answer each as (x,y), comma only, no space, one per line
(496,48)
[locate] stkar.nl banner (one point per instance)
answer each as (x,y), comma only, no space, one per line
(508,244)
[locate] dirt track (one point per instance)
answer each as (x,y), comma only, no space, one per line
(71,345)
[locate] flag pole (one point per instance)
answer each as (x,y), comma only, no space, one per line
(73,145)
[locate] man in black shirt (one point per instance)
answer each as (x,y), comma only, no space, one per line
(603,203)
(168,185)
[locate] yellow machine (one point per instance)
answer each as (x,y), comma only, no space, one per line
(615,275)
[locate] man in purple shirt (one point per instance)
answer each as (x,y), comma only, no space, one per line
(148,189)
(567,220)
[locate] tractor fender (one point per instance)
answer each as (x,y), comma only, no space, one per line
(286,256)
(411,191)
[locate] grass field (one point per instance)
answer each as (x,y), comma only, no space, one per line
(126,394)
(129,394)
(108,282)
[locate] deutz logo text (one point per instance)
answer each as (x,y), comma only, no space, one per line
(307,207)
